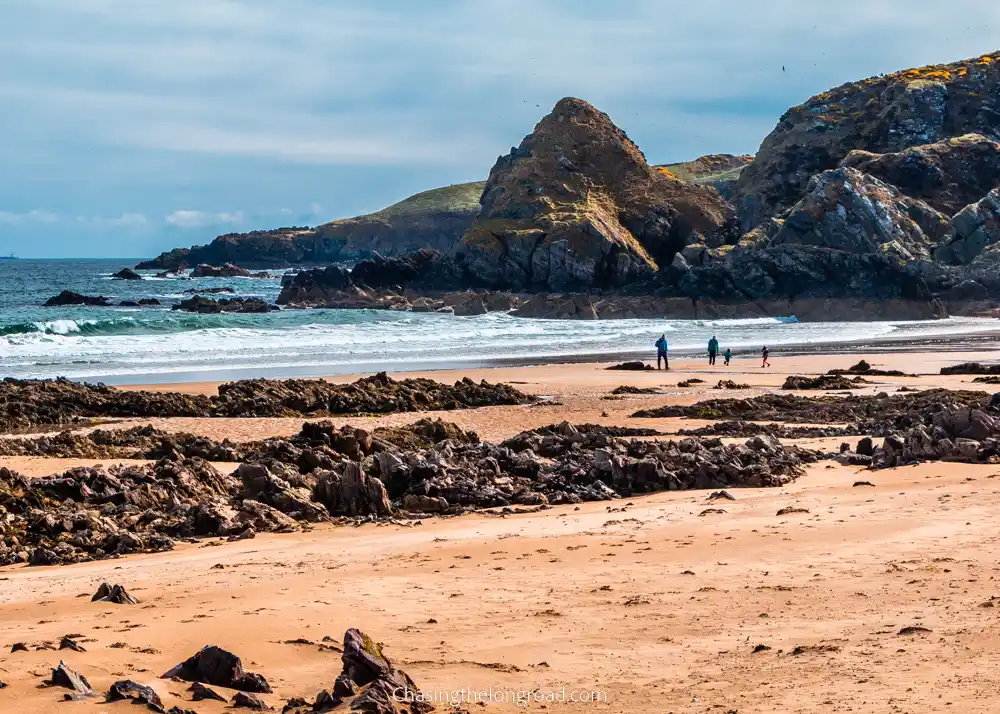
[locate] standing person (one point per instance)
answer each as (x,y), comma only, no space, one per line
(661,352)
(764,354)
(713,349)
(728,355)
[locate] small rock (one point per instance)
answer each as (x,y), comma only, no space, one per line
(250,701)
(787,510)
(116,594)
(68,643)
(199,693)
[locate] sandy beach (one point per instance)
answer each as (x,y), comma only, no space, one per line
(875,599)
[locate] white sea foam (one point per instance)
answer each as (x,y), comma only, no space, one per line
(362,340)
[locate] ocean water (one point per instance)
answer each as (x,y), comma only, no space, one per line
(122,345)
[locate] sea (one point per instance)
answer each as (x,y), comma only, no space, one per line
(121,345)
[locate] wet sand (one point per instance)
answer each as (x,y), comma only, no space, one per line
(651,602)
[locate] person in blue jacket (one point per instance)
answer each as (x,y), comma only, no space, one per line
(713,349)
(661,352)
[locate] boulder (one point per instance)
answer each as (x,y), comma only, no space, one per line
(214,665)
(881,114)
(577,206)
(126,274)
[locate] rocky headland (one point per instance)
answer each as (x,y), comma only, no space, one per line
(874,200)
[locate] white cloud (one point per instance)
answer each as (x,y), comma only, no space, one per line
(29,217)
(125,220)
(203,219)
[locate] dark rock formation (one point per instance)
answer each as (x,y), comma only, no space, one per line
(142,302)
(368,683)
(204,305)
(30,403)
(379,394)
(632,367)
(377,282)
(200,693)
(126,274)
(824,381)
(576,205)
(210,291)
(947,175)
(352,493)
(951,432)
(115,594)
(744,429)
(879,115)
(68,297)
(888,410)
(730,384)
(630,389)
(971,368)
(429,467)
(241,700)
(863,368)
(215,666)
(63,676)
(93,513)
(126,689)
(227,270)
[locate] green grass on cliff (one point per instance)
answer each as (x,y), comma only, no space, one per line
(457,197)
(705,169)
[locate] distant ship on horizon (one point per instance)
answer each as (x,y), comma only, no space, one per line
(9,257)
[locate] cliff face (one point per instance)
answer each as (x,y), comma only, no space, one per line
(879,115)
(577,206)
(431,219)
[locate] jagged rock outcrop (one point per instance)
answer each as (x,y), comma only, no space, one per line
(68,297)
(374,283)
(882,114)
(850,211)
(214,665)
(576,205)
(977,229)
(947,175)
(850,244)
(350,492)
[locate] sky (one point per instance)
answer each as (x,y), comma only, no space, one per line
(128,127)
